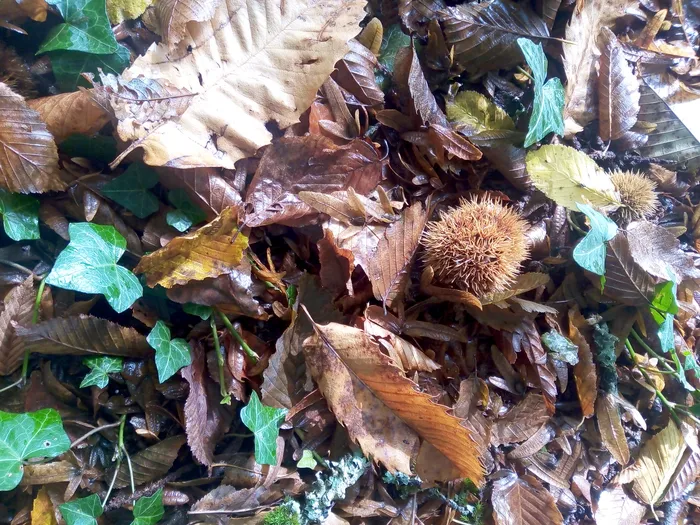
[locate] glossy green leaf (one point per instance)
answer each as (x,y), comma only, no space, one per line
(171,354)
(20,215)
(393,40)
(665,298)
(201,311)
(186,213)
(130,189)
(548,105)
(307,460)
(590,252)
(26,436)
(68,66)
(265,423)
(560,347)
(100,368)
(665,334)
(89,265)
(99,147)
(149,510)
(83,511)
(86,28)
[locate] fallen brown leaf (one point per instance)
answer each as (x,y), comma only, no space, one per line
(523,501)
(70,113)
(585,374)
(521,421)
(612,433)
(19,303)
(615,506)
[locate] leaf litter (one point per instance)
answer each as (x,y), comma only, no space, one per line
(349,262)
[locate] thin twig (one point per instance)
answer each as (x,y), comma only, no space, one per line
(94,431)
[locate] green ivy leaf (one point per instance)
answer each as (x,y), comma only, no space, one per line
(307,460)
(665,299)
(89,265)
(68,66)
(665,334)
(26,436)
(548,105)
(85,28)
(149,509)
(201,311)
(20,215)
(130,189)
(560,347)
(264,422)
(100,368)
(83,511)
(99,147)
(590,252)
(393,40)
(171,355)
(186,213)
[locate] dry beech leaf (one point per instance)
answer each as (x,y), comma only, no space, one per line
(467,408)
(523,283)
(151,463)
(249,63)
(585,374)
(205,187)
(19,304)
(615,506)
(523,501)
(336,264)
(618,89)
(213,250)
(686,473)
(405,355)
(625,280)
(206,419)
(521,421)
(612,434)
(356,74)
(29,158)
(70,113)
(174,15)
(227,498)
(285,170)
(356,378)
(83,335)
(657,462)
(388,268)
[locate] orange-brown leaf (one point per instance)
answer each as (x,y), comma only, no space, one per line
(585,374)
(523,501)
(215,249)
(521,422)
(70,113)
(19,303)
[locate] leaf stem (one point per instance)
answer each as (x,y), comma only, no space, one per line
(94,431)
(528,75)
(248,350)
(16,266)
(225,397)
(651,351)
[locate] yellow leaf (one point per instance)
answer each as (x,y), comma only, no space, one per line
(250,63)
(472,113)
(657,462)
(371,36)
(120,10)
(42,510)
(209,252)
(569,177)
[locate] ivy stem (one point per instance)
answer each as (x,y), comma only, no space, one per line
(572,223)
(122,448)
(528,75)
(248,350)
(225,397)
(120,444)
(16,266)
(94,431)
(651,351)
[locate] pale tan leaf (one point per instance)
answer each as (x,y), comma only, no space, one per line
(612,434)
(388,269)
(83,335)
(570,177)
(213,250)
(523,283)
(251,63)
(615,506)
(70,113)
(362,241)
(467,408)
(174,15)
(585,374)
(19,303)
(523,501)
(357,379)
(657,462)
(521,421)
(28,154)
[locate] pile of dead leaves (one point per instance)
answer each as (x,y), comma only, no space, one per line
(339,261)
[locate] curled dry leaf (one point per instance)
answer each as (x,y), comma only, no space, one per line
(19,303)
(625,280)
(29,159)
(356,378)
(618,89)
(249,63)
(523,501)
(612,434)
(405,355)
(388,268)
(467,408)
(585,374)
(521,421)
(70,113)
(83,335)
(213,250)
(356,74)
(151,463)
(615,506)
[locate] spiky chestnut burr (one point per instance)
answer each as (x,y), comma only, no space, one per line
(14,73)
(637,194)
(477,246)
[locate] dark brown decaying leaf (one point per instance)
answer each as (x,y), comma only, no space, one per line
(83,335)
(610,427)
(151,463)
(618,89)
(357,379)
(585,374)
(285,170)
(28,154)
(625,280)
(356,74)
(206,419)
(521,421)
(485,35)
(415,13)
(686,473)
(336,264)
(615,506)
(523,500)
(416,97)
(19,303)
(388,269)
